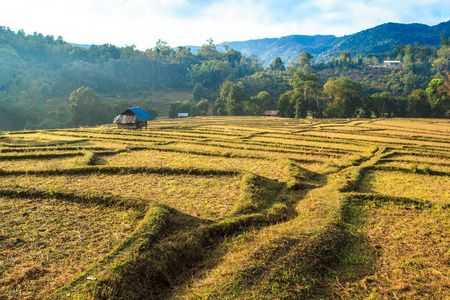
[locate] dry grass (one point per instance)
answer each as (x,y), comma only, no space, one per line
(39,164)
(431,125)
(414,257)
(44,243)
(298,140)
(287,223)
(418,164)
(429,188)
(202,196)
(266,168)
(377,139)
(260,153)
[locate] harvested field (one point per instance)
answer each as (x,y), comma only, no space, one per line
(227,208)
(46,242)
(426,188)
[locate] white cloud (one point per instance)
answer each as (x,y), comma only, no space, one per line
(191,22)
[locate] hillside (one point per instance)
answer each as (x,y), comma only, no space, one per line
(227,208)
(288,47)
(374,40)
(43,78)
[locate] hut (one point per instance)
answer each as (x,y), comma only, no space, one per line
(271,113)
(133,118)
(392,63)
(183,115)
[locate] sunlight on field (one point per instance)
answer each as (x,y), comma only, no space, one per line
(419,164)
(270,169)
(414,256)
(204,196)
(42,164)
(227,207)
(415,186)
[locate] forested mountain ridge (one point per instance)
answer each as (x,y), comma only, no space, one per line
(378,39)
(287,47)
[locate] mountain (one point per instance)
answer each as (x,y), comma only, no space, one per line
(381,38)
(288,47)
(378,39)
(81,45)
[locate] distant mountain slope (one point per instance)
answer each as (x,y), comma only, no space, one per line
(81,45)
(378,39)
(381,38)
(288,47)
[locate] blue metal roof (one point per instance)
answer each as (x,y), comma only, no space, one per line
(141,114)
(132,116)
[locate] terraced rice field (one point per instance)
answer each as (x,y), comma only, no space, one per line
(226,208)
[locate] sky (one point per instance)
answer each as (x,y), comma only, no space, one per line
(192,22)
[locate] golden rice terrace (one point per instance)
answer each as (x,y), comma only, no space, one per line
(227,208)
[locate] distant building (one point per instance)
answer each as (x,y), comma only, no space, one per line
(271,113)
(133,118)
(183,115)
(392,63)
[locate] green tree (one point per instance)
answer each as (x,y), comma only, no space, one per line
(210,74)
(85,107)
(304,62)
(273,82)
(197,91)
(235,99)
(286,104)
(219,107)
(418,104)
(306,91)
(231,99)
(263,100)
(201,108)
(383,104)
(401,106)
(443,56)
(277,64)
(444,41)
(439,99)
(345,96)
(209,50)
(186,107)
(163,49)
(232,56)
(345,59)
(174,109)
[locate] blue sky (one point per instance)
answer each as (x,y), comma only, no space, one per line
(192,22)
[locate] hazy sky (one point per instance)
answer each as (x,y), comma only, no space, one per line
(192,22)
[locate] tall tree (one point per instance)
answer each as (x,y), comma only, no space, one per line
(439,99)
(174,109)
(209,50)
(277,64)
(85,107)
(304,62)
(287,104)
(201,108)
(346,97)
(197,91)
(305,89)
(186,107)
(383,104)
(418,104)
